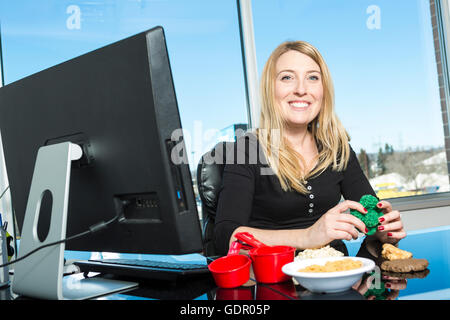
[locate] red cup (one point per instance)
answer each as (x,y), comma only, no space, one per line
(232,270)
(268,261)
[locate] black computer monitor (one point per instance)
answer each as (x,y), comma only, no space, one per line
(118,103)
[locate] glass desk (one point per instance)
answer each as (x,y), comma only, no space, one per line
(433,284)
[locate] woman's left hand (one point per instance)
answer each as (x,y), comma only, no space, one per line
(390,229)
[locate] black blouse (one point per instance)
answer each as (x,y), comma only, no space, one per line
(251,197)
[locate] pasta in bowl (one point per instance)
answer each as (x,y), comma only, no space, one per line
(328,275)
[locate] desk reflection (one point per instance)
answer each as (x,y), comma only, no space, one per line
(281,291)
(374,286)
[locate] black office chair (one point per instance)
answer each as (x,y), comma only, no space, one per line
(209,182)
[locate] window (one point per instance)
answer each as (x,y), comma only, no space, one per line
(381,55)
(202,39)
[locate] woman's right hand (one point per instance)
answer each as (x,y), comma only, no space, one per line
(336,224)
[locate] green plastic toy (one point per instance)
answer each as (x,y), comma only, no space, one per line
(370,219)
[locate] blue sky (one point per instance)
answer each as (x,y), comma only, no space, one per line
(385,79)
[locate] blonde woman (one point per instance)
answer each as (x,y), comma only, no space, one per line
(311,165)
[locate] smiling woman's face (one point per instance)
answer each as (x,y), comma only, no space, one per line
(298,88)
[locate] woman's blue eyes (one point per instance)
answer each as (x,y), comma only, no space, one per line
(312,77)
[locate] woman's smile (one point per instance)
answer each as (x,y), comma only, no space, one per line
(299,105)
(298,88)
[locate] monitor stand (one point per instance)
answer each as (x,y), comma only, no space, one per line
(41,274)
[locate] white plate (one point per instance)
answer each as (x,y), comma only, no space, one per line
(327,281)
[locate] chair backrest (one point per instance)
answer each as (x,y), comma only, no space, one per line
(209,182)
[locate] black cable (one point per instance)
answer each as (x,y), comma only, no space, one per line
(94,228)
(3,193)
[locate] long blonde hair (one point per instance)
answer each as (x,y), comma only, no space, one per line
(327,130)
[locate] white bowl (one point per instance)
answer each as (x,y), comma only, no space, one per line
(327,282)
